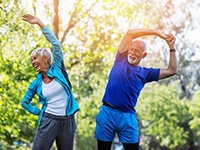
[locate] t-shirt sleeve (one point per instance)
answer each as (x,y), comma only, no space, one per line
(152,74)
(120,56)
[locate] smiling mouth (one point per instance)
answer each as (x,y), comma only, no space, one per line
(35,66)
(132,57)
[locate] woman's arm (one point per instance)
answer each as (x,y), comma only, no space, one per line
(33,20)
(26,101)
(49,35)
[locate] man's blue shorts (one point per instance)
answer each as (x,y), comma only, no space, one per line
(110,121)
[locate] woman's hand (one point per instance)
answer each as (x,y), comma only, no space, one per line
(32,20)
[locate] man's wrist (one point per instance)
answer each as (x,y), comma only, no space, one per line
(172,50)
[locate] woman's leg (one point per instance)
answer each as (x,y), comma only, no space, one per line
(65,138)
(45,135)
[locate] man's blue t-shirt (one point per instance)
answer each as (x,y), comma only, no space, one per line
(125,83)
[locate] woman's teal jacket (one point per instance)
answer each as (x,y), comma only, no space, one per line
(56,71)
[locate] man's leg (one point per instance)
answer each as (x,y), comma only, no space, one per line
(105,128)
(128,133)
(134,146)
(102,145)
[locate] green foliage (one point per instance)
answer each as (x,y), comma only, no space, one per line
(16,73)
(164,117)
(90,46)
(194,109)
(86,120)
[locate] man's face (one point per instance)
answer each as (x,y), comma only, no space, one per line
(136,52)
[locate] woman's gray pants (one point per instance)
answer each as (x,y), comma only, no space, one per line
(58,128)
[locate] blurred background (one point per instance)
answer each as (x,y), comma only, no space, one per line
(90,32)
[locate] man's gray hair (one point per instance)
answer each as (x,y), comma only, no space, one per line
(141,42)
(43,52)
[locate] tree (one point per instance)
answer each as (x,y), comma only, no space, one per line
(194,123)
(90,32)
(164,119)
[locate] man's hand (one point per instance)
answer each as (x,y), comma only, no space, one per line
(161,34)
(32,20)
(170,40)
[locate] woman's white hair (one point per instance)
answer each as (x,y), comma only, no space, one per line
(43,52)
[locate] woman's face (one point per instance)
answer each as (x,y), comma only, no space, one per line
(40,63)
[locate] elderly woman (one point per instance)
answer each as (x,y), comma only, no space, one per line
(56,118)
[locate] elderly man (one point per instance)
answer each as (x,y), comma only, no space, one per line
(126,80)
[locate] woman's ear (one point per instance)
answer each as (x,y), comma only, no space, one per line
(46,59)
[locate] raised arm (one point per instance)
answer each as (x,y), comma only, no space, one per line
(172,68)
(135,33)
(33,20)
(49,35)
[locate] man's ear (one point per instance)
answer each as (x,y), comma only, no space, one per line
(144,55)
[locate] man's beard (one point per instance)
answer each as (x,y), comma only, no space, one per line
(133,60)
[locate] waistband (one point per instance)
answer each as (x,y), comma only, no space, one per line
(106,104)
(110,106)
(54,117)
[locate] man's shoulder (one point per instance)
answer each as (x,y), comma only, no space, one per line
(121,56)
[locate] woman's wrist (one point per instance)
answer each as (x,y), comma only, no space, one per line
(40,23)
